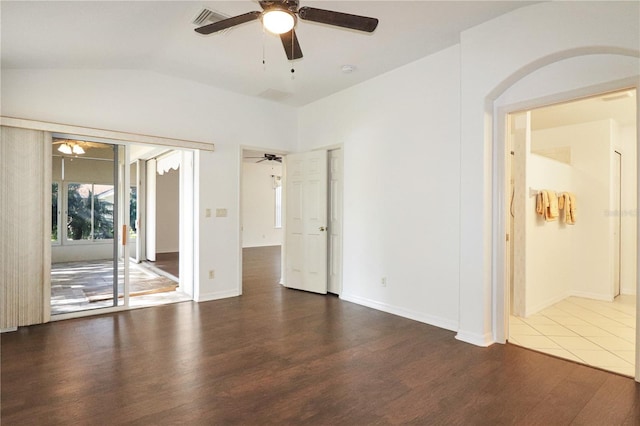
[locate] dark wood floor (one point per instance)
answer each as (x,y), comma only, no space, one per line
(168,262)
(278,356)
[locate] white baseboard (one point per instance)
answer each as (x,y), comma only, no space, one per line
(206,297)
(402,312)
(589,295)
(483,340)
(629,291)
(543,305)
(8,329)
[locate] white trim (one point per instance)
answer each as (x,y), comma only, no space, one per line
(206,297)
(401,312)
(590,295)
(475,338)
(102,133)
(188,219)
(90,312)
(547,303)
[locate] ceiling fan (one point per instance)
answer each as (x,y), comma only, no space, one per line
(268,157)
(72,146)
(280,17)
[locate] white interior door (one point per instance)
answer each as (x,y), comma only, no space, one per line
(306,221)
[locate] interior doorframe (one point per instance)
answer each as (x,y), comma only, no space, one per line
(242,148)
(330,266)
(500,198)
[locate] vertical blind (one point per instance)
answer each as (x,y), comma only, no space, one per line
(25,227)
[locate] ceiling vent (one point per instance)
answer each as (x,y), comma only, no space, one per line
(275,95)
(208,16)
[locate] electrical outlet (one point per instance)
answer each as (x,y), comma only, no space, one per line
(207,213)
(383,281)
(212,274)
(221,212)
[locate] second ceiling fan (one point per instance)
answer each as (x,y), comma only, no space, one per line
(280,17)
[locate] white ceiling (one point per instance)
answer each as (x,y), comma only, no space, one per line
(159,36)
(619,106)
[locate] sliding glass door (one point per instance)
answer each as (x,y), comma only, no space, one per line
(88,182)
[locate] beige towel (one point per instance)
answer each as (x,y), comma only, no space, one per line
(540,205)
(572,208)
(564,204)
(567,203)
(552,212)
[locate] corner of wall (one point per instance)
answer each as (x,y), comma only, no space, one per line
(483,340)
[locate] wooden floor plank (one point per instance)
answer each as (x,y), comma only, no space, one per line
(279,356)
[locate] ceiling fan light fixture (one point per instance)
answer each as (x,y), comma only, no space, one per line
(65,149)
(278,21)
(77,149)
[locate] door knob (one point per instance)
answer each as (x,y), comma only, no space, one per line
(323,228)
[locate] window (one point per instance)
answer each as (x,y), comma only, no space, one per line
(55,213)
(89,212)
(133,211)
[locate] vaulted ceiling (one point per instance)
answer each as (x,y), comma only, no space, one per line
(160,37)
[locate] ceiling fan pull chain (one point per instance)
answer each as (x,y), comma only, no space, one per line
(264,61)
(292,63)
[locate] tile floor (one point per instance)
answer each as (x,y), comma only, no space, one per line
(597,333)
(80,286)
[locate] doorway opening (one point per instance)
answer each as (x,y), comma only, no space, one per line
(324,207)
(98,205)
(262,215)
(572,221)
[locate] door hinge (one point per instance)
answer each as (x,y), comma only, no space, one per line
(507,237)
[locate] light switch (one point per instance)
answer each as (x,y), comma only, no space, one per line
(221,212)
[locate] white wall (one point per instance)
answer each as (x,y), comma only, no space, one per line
(258,205)
(563,259)
(401,183)
(494,56)
(154,104)
(549,244)
(168,212)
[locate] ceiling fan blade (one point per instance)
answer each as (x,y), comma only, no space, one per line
(345,20)
(228,23)
(291,45)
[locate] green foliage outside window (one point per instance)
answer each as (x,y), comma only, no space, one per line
(54,212)
(89,215)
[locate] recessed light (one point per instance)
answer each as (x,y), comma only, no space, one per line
(348,69)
